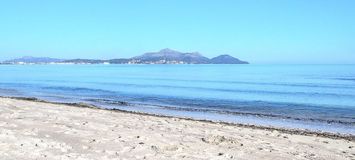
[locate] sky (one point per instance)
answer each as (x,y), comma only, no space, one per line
(259,31)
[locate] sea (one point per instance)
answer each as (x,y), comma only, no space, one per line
(309,97)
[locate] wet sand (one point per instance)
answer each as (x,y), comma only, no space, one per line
(31,129)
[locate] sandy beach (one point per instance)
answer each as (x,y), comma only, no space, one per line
(39,130)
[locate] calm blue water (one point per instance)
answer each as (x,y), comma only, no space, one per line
(315,97)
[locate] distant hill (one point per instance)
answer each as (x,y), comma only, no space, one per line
(226,59)
(84,61)
(164,56)
(171,56)
(118,61)
(29,59)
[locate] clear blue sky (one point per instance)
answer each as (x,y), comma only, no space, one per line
(260,31)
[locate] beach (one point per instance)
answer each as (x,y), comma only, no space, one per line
(42,130)
(280,98)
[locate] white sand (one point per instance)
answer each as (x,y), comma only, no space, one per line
(36,130)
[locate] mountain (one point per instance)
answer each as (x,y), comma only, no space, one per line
(226,59)
(164,56)
(171,56)
(29,59)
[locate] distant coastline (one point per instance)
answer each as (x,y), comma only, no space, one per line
(164,56)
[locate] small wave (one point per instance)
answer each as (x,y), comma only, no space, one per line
(308,85)
(123,103)
(346,79)
(7,91)
(311,85)
(232,90)
(79,89)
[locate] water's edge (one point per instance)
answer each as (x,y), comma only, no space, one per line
(297,131)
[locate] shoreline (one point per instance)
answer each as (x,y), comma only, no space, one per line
(296,131)
(37,129)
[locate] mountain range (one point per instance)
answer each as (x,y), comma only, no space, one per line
(30,59)
(164,56)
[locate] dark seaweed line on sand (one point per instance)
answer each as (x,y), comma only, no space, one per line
(348,137)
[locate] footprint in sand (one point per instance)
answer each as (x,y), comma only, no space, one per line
(32,132)
(216,139)
(154,148)
(172,148)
